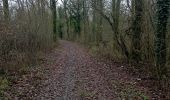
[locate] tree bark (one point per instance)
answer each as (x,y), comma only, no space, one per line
(6,10)
(137,31)
(160,41)
(54,14)
(97,21)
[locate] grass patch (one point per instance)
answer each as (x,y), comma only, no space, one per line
(4,84)
(86,94)
(107,51)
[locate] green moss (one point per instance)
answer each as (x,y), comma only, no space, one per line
(4,84)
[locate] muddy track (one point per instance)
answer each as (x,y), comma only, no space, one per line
(72,74)
(61,74)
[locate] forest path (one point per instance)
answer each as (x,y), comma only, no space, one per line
(75,75)
(69,72)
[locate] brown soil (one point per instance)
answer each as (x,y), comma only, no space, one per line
(71,73)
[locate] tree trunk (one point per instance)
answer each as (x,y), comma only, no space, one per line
(54,14)
(97,21)
(137,31)
(85,21)
(160,41)
(6,10)
(94,22)
(60,22)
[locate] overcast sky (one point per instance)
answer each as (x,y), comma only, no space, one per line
(59,2)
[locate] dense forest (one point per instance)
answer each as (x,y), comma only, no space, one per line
(132,32)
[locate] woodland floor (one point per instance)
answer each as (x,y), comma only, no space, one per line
(69,72)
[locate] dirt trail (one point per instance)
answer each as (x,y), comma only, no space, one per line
(72,74)
(75,75)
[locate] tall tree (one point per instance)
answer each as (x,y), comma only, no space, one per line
(137,30)
(75,7)
(54,14)
(94,20)
(85,18)
(60,21)
(97,20)
(160,41)
(113,21)
(115,27)
(78,17)
(65,5)
(6,10)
